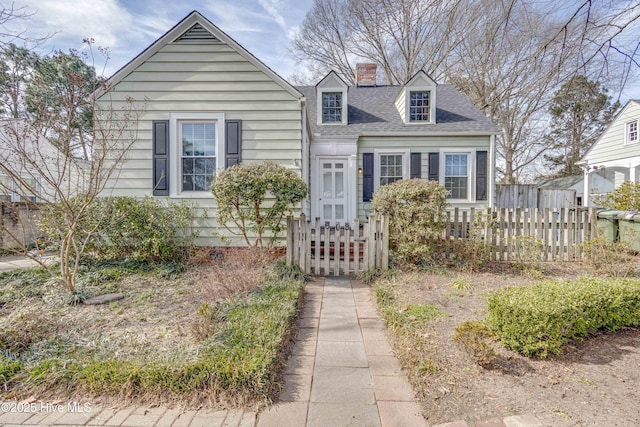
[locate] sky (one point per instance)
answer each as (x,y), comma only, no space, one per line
(126,27)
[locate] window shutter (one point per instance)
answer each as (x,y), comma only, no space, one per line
(160,143)
(416,166)
(481,175)
(434,166)
(367,177)
(233,143)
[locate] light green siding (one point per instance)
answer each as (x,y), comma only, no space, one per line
(611,145)
(207,78)
(423,145)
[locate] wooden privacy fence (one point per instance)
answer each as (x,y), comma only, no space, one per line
(324,249)
(522,234)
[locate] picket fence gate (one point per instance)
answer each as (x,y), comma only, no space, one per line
(340,249)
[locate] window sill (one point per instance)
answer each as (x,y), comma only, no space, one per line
(192,195)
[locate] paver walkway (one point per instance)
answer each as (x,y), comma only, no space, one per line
(13,262)
(342,371)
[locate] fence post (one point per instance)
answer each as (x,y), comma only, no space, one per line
(289,240)
(385,242)
(356,246)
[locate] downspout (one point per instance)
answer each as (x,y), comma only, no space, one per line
(306,208)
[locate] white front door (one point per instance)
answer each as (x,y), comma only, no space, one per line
(332,194)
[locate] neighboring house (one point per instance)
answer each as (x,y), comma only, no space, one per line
(32,168)
(615,156)
(211,104)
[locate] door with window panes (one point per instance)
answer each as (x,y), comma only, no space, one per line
(333,191)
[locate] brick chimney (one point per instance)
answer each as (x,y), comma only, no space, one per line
(366,74)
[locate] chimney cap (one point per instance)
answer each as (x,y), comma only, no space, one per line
(366,74)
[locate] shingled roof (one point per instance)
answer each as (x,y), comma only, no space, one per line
(372,111)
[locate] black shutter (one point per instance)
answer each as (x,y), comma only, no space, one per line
(233,143)
(160,143)
(367,177)
(481,175)
(434,166)
(416,165)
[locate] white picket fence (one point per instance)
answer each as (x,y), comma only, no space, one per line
(523,234)
(333,250)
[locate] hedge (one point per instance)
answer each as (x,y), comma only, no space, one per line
(539,319)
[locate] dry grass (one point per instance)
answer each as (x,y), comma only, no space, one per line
(230,271)
(451,384)
(152,326)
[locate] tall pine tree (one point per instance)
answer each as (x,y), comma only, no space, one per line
(580,110)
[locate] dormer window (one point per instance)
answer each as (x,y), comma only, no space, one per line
(419,106)
(416,102)
(332,107)
(331,96)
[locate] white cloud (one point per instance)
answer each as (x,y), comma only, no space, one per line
(272,7)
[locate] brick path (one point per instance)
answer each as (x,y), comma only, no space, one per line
(51,415)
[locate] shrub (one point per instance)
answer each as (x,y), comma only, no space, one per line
(624,198)
(541,318)
(475,338)
(416,209)
(146,229)
(609,258)
(255,198)
(128,228)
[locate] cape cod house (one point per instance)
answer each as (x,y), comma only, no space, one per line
(211,104)
(615,156)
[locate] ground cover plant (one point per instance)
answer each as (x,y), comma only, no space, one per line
(180,334)
(461,372)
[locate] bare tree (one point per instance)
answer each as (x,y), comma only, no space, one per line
(507,56)
(501,73)
(401,36)
(64,185)
(9,14)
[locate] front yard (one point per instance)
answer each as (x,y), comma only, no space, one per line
(181,334)
(594,382)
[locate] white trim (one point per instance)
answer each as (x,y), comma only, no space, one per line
(491,171)
(432,104)
(406,156)
(627,132)
(471,171)
(338,149)
(174,153)
(14,191)
(349,187)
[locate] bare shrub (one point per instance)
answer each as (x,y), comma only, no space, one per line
(232,271)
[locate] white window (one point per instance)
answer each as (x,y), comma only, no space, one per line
(6,190)
(332,107)
(11,191)
(390,166)
(419,106)
(456,175)
(196,144)
(198,155)
(632,132)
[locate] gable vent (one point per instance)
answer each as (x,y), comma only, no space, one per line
(197,34)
